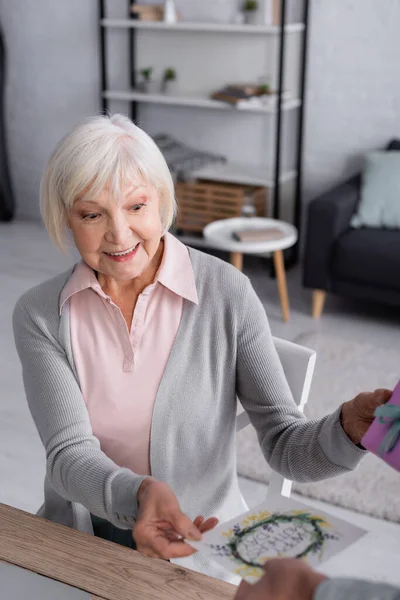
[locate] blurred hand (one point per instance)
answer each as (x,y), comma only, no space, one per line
(284,579)
(358,414)
(161,525)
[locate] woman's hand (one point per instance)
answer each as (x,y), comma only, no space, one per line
(161,526)
(284,579)
(358,414)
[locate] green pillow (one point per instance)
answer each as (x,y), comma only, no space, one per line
(380,192)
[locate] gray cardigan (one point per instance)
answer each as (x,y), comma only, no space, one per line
(223,350)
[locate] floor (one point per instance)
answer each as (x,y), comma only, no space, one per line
(27,258)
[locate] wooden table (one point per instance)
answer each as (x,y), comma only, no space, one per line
(104,569)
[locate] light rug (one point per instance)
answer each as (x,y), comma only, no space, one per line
(343,369)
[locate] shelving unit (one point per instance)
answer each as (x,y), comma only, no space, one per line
(272,177)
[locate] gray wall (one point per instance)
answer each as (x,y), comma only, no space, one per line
(52,83)
(353,99)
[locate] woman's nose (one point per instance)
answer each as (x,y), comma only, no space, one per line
(118,230)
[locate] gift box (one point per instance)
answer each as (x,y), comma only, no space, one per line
(383,437)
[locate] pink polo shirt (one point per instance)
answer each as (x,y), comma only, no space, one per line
(119,370)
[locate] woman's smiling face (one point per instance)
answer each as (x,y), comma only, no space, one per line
(119,238)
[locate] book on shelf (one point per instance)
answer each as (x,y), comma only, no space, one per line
(242,94)
(234,92)
(148,12)
(229,95)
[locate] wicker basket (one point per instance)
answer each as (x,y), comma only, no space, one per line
(203,202)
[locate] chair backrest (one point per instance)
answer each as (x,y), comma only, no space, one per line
(298,365)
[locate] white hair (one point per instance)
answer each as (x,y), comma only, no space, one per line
(102,152)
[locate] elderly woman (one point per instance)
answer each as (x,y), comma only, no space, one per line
(133,361)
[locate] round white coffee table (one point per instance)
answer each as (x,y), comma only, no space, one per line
(219,235)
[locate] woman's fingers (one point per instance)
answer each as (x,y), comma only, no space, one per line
(208,525)
(161,542)
(161,526)
(198,521)
(382,395)
(162,539)
(358,414)
(166,548)
(205,525)
(180,550)
(184,526)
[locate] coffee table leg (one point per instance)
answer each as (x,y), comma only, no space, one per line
(237,260)
(281,278)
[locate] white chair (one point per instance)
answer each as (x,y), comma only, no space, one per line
(298,364)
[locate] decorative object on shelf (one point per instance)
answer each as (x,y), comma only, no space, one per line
(250,9)
(242,173)
(238,18)
(203,202)
(248,96)
(168,85)
(182,160)
(170,13)
(148,12)
(249,208)
(148,86)
(264,89)
(271,12)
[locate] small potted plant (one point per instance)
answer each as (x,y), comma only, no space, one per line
(169,81)
(264,89)
(146,85)
(250,9)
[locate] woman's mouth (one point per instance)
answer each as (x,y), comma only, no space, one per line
(124,255)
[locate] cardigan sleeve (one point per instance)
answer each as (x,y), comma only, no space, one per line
(78,469)
(299,449)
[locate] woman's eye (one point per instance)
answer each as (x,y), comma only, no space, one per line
(137,207)
(91,217)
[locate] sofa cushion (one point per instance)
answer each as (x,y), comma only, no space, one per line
(380,191)
(369,257)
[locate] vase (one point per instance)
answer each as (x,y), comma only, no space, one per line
(169,87)
(170,14)
(251,17)
(149,87)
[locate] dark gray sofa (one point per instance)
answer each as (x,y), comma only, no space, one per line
(358,263)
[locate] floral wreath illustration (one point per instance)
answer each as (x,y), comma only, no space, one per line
(267,521)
